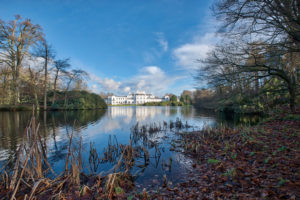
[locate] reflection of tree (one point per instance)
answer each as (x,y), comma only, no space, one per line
(228,119)
(236,119)
(187,111)
(81,117)
(173,112)
(13,125)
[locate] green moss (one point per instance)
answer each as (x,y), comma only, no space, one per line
(213,161)
(119,190)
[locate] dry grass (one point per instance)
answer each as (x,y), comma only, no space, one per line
(33,178)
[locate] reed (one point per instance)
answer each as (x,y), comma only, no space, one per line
(32,177)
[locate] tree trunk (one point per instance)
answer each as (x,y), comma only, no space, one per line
(46,78)
(16,95)
(65,103)
(37,106)
(256,82)
(54,91)
(292,92)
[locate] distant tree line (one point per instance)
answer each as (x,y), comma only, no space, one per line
(29,71)
(256,65)
(184,99)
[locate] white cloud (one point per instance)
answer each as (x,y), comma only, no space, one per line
(106,83)
(162,41)
(110,84)
(150,79)
(188,55)
(94,88)
(152,70)
(126,89)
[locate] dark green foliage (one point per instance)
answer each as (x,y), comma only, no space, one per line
(77,100)
(186,99)
(173,98)
(164,103)
(15,108)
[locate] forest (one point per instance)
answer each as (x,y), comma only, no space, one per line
(255,65)
(30,73)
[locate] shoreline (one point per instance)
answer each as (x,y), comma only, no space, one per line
(256,162)
(259,161)
(12,108)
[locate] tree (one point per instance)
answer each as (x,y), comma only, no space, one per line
(60,66)
(74,75)
(46,52)
(261,41)
(204,98)
(34,77)
(5,91)
(186,97)
(173,98)
(16,38)
(276,20)
(182,99)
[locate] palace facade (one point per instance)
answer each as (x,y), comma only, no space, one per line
(135,98)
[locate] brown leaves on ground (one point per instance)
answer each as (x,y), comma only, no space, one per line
(260,162)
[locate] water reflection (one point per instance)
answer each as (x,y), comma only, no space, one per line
(140,113)
(97,126)
(53,125)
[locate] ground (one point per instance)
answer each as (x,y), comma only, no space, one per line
(259,162)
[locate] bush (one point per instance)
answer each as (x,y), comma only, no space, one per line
(78,100)
(54,106)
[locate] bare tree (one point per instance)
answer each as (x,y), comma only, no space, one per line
(261,41)
(60,66)
(237,65)
(277,21)
(46,52)
(34,77)
(16,37)
(74,75)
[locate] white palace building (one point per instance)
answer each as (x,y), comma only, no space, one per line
(135,98)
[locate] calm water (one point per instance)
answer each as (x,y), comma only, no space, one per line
(114,124)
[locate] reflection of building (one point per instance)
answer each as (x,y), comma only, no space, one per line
(140,112)
(135,98)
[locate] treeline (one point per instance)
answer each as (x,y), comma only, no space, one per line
(184,99)
(256,64)
(30,73)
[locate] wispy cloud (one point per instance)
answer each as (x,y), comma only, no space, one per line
(187,56)
(106,83)
(155,53)
(151,79)
(162,41)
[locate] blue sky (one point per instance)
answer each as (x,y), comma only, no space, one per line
(125,45)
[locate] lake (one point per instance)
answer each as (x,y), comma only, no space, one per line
(98,128)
